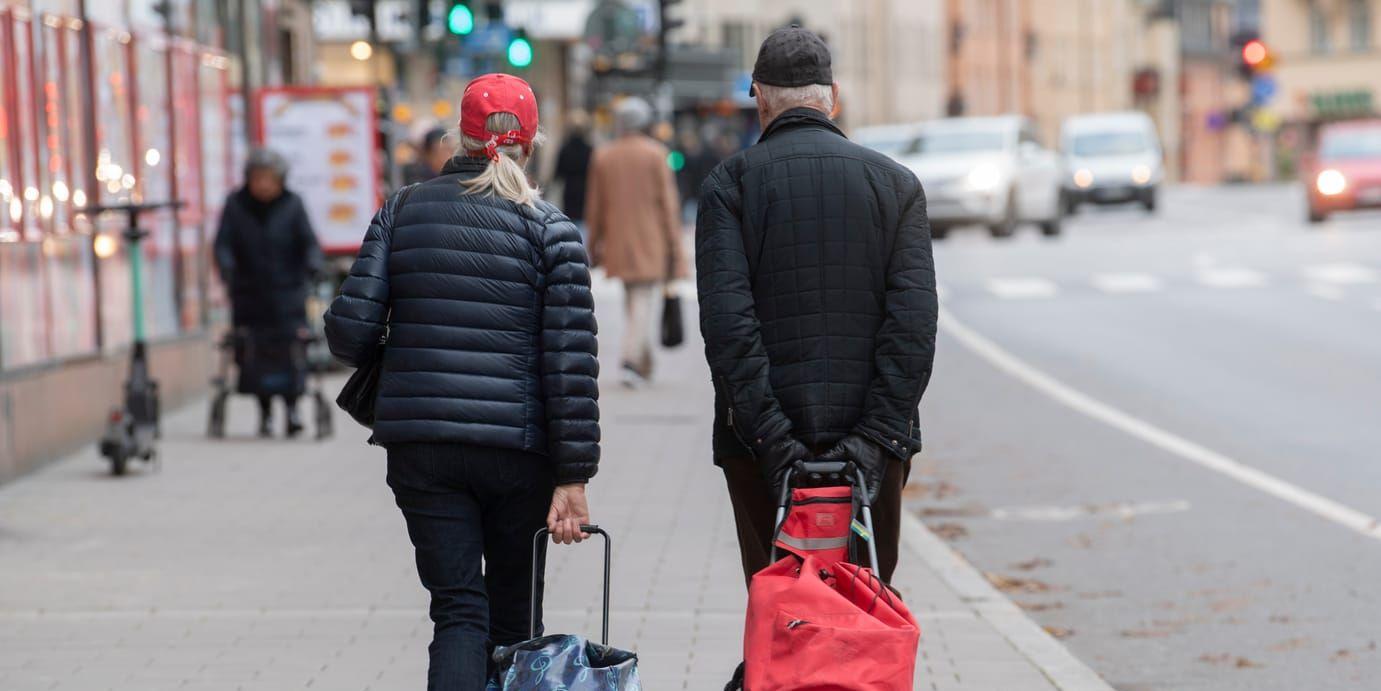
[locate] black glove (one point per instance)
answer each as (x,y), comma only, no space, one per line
(777,459)
(868,456)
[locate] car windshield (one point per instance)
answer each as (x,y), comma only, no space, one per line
(1357,143)
(1096,144)
(889,145)
(957,142)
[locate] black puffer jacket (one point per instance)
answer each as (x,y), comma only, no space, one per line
(491,334)
(817,291)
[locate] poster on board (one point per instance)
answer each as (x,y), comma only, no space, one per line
(327,135)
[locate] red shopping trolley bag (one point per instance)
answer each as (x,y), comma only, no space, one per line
(817,622)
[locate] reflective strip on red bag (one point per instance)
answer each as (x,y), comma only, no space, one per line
(817,523)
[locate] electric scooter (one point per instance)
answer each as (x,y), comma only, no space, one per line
(134,427)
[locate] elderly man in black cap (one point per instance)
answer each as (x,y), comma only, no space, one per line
(817,301)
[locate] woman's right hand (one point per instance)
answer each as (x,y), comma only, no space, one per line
(569,511)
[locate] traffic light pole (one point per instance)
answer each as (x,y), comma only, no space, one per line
(662,95)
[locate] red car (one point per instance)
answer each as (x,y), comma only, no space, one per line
(1345,173)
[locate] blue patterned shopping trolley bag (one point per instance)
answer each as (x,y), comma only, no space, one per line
(564,662)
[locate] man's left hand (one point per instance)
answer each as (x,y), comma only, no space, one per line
(869,457)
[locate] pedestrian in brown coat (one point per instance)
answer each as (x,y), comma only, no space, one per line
(634,216)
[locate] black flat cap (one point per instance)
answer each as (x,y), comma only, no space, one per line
(792,57)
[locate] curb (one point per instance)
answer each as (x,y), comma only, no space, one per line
(1048,655)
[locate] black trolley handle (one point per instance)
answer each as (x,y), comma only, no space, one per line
(845,471)
(539,565)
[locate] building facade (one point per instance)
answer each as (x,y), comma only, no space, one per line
(1327,64)
(1048,59)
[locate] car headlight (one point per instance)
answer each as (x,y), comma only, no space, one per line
(1083,178)
(983,178)
(1330,182)
(1141,175)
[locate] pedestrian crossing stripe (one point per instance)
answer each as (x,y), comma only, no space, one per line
(861,530)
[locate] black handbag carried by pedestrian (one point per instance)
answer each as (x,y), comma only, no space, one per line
(361,390)
(673,325)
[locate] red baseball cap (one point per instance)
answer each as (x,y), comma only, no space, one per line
(498,93)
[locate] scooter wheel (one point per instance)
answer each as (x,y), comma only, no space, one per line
(119,463)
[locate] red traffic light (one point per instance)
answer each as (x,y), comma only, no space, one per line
(1254,53)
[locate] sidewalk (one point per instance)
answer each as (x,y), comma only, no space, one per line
(267,565)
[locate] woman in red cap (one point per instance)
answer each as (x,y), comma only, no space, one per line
(487,400)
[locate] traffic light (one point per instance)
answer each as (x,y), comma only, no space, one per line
(519,49)
(460,20)
(1253,55)
(676,160)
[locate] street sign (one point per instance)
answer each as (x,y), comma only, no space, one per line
(1263,89)
(328,134)
(489,39)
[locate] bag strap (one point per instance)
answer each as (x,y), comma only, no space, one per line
(403,193)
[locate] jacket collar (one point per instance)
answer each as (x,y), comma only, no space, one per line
(800,117)
(468,166)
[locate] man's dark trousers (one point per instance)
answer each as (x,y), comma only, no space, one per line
(466,506)
(755,514)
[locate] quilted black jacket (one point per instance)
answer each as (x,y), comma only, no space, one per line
(817,291)
(491,326)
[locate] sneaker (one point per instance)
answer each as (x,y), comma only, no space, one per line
(631,378)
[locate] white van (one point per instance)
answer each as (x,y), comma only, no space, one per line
(1111,158)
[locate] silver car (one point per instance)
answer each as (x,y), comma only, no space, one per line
(990,171)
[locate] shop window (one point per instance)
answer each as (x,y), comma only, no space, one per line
(66,252)
(24,324)
(153,184)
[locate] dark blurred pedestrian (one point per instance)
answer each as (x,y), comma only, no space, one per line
(487,401)
(432,154)
(700,159)
(634,218)
(267,254)
(817,301)
(573,165)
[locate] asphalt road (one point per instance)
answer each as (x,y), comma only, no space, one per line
(1162,435)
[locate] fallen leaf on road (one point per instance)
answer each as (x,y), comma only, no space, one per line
(1228,659)
(1039,606)
(1145,633)
(935,490)
(1009,584)
(949,531)
(1289,644)
(952,511)
(1058,632)
(1081,540)
(1032,564)
(1280,619)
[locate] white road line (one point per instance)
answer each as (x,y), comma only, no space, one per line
(1344,273)
(1285,491)
(1230,277)
(1324,291)
(1021,288)
(1126,283)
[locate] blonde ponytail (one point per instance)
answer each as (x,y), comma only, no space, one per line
(505,177)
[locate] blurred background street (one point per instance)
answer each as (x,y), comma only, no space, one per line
(1151,436)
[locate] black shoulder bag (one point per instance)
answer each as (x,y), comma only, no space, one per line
(361,391)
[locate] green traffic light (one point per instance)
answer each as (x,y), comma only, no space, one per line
(519,52)
(461,21)
(676,161)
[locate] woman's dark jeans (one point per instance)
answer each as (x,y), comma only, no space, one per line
(468,507)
